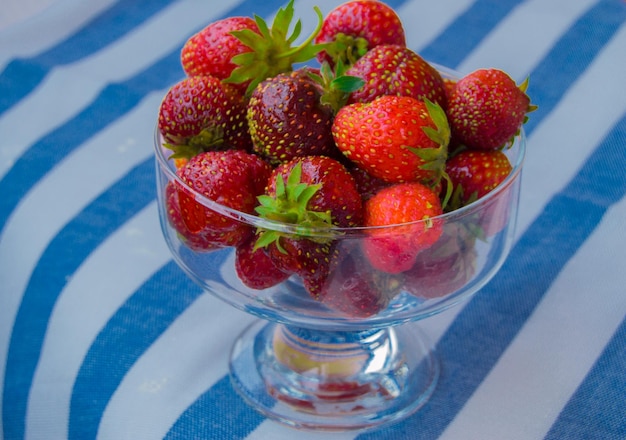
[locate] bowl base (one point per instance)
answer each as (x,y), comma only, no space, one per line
(334,380)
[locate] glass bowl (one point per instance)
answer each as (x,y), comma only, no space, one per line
(354,358)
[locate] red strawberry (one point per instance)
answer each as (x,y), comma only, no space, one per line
(255,268)
(192,239)
(271,52)
(396,70)
(210,51)
(201,114)
(286,118)
(312,191)
(412,207)
(444,267)
(233,179)
(357,26)
(366,184)
(314,194)
(475,173)
(357,290)
(487,109)
(395,138)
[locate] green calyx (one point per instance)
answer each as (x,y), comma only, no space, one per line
(336,85)
(272,51)
(347,49)
(290,205)
(434,159)
(208,139)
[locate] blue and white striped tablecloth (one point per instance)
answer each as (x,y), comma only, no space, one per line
(102,336)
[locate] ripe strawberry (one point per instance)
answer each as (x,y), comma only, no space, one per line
(210,51)
(312,191)
(487,109)
(201,114)
(390,69)
(412,207)
(357,290)
(395,138)
(192,239)
(366,184)
(286,119)
(444,267)
(475,173)
(233,179)
(355,27)
(255,268)
(271,52)
(314,194)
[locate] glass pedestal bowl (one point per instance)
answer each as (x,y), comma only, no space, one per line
(354,358)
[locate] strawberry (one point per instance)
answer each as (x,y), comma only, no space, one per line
(390,69)
(210,51)
(314,194)
(271,52)
(412,207)
(395,138)
(233,179)
(255,268)
(445,267)
(357,290)
(312,191)
(286,119)
(486,109)
(366,184)
(192,239)
(475,173)
(200,114)
(354,27)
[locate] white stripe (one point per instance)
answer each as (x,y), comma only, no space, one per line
(93,167)
(51,104)
(60,20)
(536,376)
(186,360)
(99,287)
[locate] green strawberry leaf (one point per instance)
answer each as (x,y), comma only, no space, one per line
(271,50)
(290,204)
(440,134)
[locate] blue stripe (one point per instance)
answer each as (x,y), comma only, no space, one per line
(59,261)
(597,411)
(22,75)
(485,327)
(467,31)
(571,55)
(218,413)
(127,335)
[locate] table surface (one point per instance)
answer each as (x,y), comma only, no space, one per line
(102,336)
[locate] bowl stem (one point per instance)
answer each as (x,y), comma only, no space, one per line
(334,380)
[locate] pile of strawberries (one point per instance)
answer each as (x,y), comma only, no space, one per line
(350,128)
